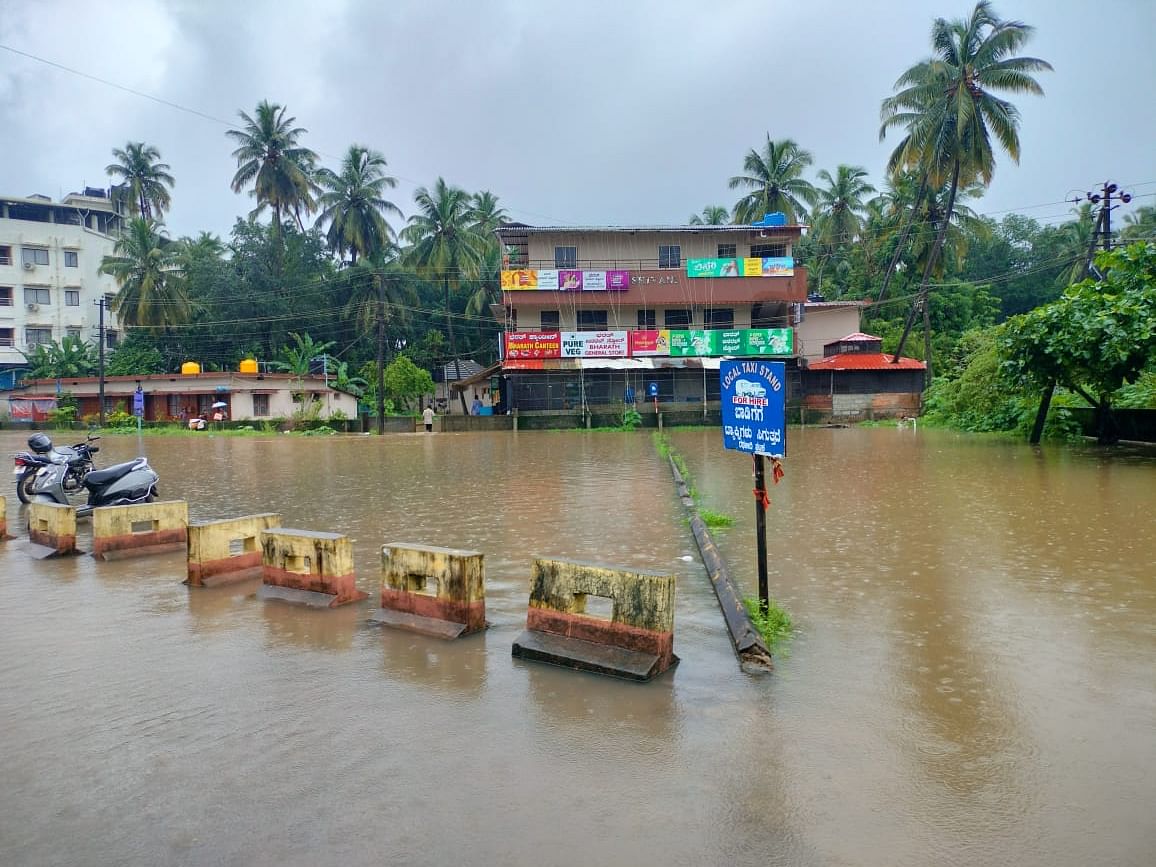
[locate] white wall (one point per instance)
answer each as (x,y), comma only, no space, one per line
(91,247)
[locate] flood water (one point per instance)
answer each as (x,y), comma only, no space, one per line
(973,680)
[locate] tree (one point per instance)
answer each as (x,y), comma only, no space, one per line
(136,355)
(445,245)
(1096,338)
(712,215)
(70,357)
(774,177)
(1140,225)
(405,382)
(487,214)
(949,111)
(354,205)
(270,158)
(295,359)
(840,205)
(147,267)
(145,179)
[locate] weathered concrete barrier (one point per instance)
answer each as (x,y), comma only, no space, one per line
(3,519)
(308,567)
(227,550)
(636,642)
(51,529)
(434,591)
(139,529)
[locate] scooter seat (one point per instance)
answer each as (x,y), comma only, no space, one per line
(102,477)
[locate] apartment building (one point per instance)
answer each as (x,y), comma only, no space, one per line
(595,316)
(50,255)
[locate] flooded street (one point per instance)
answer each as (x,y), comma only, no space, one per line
(973,680)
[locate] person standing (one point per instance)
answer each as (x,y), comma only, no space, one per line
(427,416)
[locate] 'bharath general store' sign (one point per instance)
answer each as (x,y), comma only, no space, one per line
(739,342)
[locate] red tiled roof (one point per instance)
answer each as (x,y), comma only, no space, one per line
(866,361)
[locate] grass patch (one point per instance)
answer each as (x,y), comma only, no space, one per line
(715,519)
(774,624)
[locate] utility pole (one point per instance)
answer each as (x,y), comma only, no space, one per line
(1105,196)
(380,280)
(101,303)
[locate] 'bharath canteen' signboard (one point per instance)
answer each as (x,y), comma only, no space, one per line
(638,344)
(753,397)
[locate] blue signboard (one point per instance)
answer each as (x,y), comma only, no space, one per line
(753,406)
(138,403)
(652,389)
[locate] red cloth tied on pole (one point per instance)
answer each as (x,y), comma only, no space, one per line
(776,470)
(761,497)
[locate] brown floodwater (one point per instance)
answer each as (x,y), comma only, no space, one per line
(973,680)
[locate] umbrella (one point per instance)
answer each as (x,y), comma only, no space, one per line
(219,404)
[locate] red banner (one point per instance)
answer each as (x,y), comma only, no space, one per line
(649,343)
(533,344)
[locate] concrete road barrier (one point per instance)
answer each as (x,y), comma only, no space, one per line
(51,529)
(434,591)
(139,529)
(636,641)
(227,550)
(309,568)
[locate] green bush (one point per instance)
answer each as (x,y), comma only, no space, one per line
(774,624)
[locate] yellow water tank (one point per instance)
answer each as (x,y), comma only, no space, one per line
(248,365)
(190,368)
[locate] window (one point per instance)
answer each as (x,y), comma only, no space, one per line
(763,250)
(110,338)
(71,259)
(5,255)
(565,257)
(551,319)
(646,319)
(72,331)
(677,319)
(591,320)
(71,297)
(727,251)
(7,337)
(37,295)
(718,317)
(35,256)
(260,404)
(669,256)
(35,336)
(5,296)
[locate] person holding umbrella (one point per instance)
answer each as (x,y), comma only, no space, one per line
(219,410)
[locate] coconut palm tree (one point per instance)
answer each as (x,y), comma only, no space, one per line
(354,205)
(840,204)
(712,215)
(948,108)
(1140,224)
(148,268)
(270,158)
(445,244)
(774,178)
(487,213)
(143,178)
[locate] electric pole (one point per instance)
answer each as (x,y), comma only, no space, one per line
(101,303)
(1105,196)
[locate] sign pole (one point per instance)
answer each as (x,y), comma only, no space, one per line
(761,530)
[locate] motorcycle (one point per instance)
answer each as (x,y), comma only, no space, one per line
(78,460)
(119,485)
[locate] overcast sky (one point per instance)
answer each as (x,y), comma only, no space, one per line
(571,112)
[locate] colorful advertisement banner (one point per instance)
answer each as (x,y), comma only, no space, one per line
(644,343)
(521,279)
(533,344)
(566,281)
(595,344)
(736,341)
(752,266)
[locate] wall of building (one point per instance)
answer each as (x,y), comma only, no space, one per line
(639,250)
(620,316)
(823,325)
(57,316)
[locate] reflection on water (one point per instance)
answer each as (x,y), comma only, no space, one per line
(971,682)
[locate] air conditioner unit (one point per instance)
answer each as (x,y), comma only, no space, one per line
(29,266)
(33,308)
